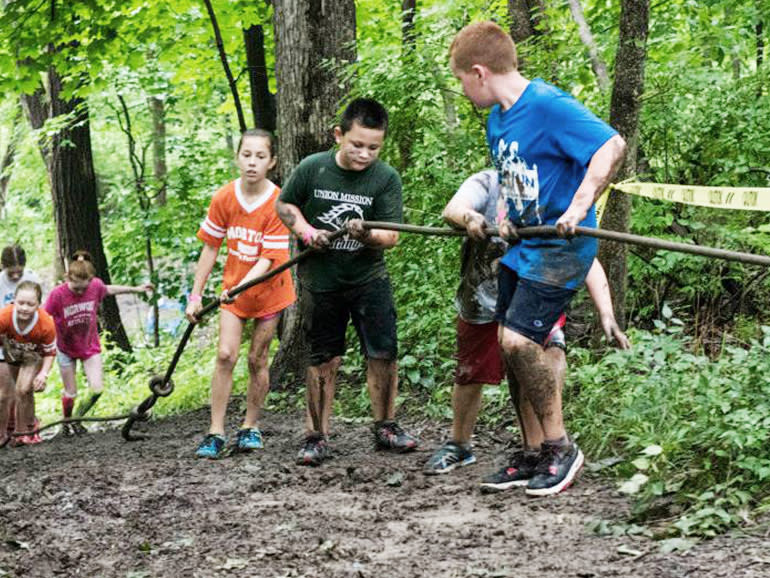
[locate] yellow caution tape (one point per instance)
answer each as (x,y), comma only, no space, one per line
(742,198)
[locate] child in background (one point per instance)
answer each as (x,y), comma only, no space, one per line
(74,306)
(242,213)
(14,262)
(28,336)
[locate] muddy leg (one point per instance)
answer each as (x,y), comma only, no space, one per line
(259,376)
(537,382)
(466,402)
(321,383)
(382,382)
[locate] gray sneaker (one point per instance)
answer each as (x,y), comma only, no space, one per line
(448,457)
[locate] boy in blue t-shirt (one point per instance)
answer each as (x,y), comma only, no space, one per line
(554,158)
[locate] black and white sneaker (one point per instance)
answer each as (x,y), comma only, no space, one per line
(556,469)
(448,457)
(518,472)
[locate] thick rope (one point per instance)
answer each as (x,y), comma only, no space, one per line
(162,387)
(550,231)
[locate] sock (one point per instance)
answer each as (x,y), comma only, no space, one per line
(561,442)
(87,404)
(67,405)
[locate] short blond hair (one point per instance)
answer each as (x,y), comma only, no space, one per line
(484,43)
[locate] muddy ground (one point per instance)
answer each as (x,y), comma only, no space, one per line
(97,506)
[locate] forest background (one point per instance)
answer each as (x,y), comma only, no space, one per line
(118,121)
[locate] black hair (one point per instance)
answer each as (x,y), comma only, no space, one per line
(365,111)
(13,256)
(30,285)
(259,132)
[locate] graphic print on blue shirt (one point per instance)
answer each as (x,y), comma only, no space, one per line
(541,147)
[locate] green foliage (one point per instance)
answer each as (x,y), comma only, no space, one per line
(692,432)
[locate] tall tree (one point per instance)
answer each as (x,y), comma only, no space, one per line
(262,100)
(310,34)
(624,116)
(157,107)
(70,165)
(522,14)
(8,156)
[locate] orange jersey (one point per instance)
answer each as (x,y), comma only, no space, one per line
(253,231)
(39,336)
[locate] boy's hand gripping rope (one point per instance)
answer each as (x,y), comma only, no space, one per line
(163,386)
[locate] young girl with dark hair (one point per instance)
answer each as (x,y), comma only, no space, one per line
(242,214)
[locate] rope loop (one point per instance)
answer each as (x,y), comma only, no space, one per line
(160,387)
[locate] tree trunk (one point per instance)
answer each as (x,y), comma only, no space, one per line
(9,155)
(597,64)
(408,11)
(526,17)
(262,100)
(308,33)
(520,14)
(408,44)
(73,190)
(624,116)
(159,168)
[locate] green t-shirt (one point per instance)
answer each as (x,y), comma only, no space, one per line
(328,197)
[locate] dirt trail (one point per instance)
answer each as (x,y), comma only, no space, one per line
(97,506)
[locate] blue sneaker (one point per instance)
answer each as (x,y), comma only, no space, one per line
(448,457)
(249,439)
(212,446)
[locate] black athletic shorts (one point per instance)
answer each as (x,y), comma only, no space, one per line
(370,306)
(528,307)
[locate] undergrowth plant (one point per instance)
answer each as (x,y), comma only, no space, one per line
(692,432)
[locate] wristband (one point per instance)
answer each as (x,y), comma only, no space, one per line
(194,298)
(307,236)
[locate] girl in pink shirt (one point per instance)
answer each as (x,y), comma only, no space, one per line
(74,306)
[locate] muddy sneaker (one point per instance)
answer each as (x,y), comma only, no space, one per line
(212,447)
(518,472)
(315,451)
(249,439)
(448,457)
(556,470)
(388,435)
(66,431)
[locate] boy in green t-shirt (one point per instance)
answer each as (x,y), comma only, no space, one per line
(346,278)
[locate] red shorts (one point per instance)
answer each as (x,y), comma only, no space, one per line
(478,354)
(478,351)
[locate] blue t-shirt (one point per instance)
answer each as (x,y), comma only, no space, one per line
(541,147)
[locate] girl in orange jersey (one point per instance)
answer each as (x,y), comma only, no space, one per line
(242,213)
(28,336)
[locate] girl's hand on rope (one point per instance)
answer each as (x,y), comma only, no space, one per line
(613,333)
(146,288)
(194,306)
(474,225)
(224,297)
